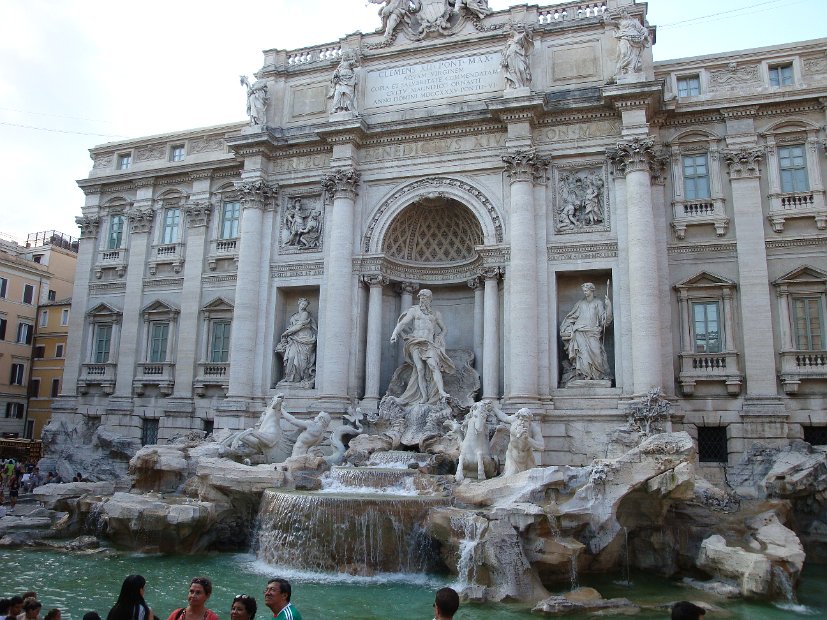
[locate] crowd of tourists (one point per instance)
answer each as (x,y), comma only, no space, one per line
(17,478)
(131,604)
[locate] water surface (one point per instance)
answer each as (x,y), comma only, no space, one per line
(80,583)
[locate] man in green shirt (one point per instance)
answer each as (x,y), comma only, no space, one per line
(277,598)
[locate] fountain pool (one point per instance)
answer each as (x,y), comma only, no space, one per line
(79,583)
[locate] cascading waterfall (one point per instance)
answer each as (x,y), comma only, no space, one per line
(358,534)
(365,480)
(472,529)
(573,573)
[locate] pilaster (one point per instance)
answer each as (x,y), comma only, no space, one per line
(373,353)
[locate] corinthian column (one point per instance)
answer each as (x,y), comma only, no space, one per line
(633,160)
(87,245)
(256,196)
(491,335)
(340,187)
(198,217)
(753,275)
(373,352)
(523,168)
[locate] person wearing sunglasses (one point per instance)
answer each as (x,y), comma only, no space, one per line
(243,608)
(197,597)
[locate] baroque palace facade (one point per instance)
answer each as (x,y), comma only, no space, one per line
(500,160)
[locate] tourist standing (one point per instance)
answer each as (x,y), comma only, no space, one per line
(277,598)
(243,608)
(131,604)
(446,603)
(52,614)
(197,597)
(31,609)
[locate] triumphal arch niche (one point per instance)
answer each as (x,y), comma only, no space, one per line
(440,233)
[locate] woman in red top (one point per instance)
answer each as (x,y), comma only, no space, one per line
(199,593)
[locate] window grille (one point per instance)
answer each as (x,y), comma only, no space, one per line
(712,444)
(149,432)
(815,435)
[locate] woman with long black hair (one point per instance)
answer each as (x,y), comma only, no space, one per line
(131,604)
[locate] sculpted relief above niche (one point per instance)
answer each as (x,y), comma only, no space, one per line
(301,224)
(581,200)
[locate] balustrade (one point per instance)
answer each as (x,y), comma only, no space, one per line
(580,10)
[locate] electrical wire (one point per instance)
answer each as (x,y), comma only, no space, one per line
(79,133)
(742,11)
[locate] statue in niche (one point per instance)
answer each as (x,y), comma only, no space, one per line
(581,201)
(392,13)
(343,86)
(632,38)
(525,437)
(423,333)
(313,432)
(479,8)
(583,332)
(514,61)
(267,437)
(257,99)
(302,226)
(297,347)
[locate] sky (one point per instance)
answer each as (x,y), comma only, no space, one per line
(78,73)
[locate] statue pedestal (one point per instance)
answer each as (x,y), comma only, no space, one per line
(589,383)
(342,116)
(525,91)
(630,78)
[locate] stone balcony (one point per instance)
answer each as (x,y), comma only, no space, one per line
(102,375)
(798,366)
(687,213)
(221,250)
(161,374)
(720,367)
(111,259)
(212,374)
(167,254)
(797,205)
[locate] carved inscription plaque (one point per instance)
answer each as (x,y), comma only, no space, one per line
(442,79)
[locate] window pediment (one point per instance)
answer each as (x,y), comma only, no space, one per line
(160,309)
(218,305)
(705,279)
(104,311)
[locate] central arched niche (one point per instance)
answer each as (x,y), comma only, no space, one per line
(433,230)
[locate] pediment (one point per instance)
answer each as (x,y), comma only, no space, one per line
(217,305)
(803,275)
(705,279)
(104,310)
(160,306)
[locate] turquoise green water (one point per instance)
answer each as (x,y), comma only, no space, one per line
(77,584)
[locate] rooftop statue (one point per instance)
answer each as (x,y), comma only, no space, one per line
(343,87)
(479,8)
(392,13)
(632,38)
(514,61)
(423,333)
(257,99)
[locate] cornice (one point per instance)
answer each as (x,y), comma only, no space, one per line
(581,251)
(428,134)
(800,242)
(352,131)
(158,176)
(698,248)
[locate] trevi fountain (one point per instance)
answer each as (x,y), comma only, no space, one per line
(371,503)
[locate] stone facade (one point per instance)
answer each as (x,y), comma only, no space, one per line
(501,160)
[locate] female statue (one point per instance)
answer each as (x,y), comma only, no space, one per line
(298,347)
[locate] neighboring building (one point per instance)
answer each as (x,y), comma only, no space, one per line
(31,275)
(48,357)
(502,171)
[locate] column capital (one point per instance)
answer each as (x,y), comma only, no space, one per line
(341,183)
(374,280)
(526,165)
(744,162)
(491,273)
(140,219)
(89,225)
(258,194)
(635,155)
(475,283)
(198,214)
(408,287)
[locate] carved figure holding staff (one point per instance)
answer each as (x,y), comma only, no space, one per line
(582,331)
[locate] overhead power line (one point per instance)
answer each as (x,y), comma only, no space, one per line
(79,133)
(741,11)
